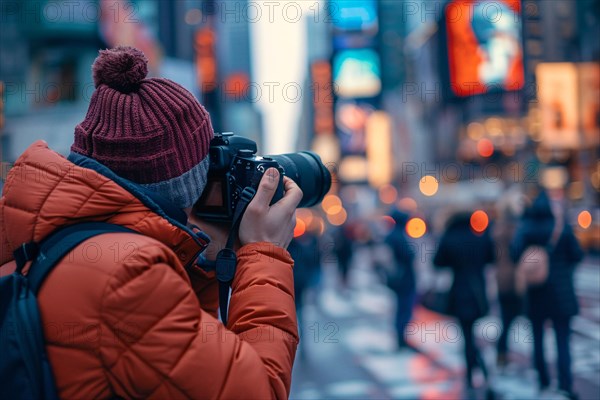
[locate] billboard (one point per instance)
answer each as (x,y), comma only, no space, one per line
(589,94)
(557,97)
(484,41)
(356,73)
(356,78)
(354,15)
(323,123)
(379,148)
(351,118)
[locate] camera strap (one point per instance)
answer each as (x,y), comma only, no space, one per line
(226,259)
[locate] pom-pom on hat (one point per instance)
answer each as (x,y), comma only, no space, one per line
(150,131)
(122,68)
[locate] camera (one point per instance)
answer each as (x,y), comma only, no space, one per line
(234,166)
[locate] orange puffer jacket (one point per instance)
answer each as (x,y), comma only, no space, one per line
(130,315)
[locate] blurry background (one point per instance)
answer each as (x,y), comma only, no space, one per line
(428,107)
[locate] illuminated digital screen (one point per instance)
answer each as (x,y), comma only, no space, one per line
(558,104)
(589,106)
(323,98)
(354,15)
(351,122)
(356,73)
(484,46)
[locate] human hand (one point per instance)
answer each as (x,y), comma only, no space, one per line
(275,224)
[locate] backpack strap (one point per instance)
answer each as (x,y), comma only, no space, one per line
(26,252)
(28,332)
(54,247)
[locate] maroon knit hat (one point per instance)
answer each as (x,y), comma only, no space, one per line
(149,131)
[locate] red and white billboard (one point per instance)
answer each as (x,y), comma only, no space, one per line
(485,50)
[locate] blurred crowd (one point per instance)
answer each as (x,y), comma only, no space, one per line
(524,239)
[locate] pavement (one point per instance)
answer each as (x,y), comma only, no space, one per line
(348,346)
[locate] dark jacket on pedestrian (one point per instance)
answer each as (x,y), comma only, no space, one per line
(467,254)
(556,297)
(401,278)
(505,267)
(307,262)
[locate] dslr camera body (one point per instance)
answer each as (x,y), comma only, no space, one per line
(235,166)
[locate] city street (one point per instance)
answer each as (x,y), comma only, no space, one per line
(438,174)
(348,346)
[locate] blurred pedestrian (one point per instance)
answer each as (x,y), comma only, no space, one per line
(305,251)
(543,224)
(466,253)
(343,247)
(510,296)
(401,274)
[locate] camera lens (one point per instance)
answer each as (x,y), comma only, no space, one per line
(307,170)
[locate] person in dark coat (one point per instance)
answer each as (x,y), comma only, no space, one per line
(510,296)
(466,253)
(343,247)
(306,254)
(401,277)
(555,299)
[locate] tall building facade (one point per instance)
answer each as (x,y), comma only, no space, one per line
(223,60)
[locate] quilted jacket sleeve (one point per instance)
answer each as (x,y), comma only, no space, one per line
(163,345)
(206,287)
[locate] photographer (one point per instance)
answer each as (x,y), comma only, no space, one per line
(131,315)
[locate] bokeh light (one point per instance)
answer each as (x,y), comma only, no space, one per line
(388,194)
(306,215)
(388,222)
(554,177)
(475,130)
(193,16)
(338,218)
(428,185)
(485,147)
(416,227)
(300,227)
(407,204)
(584,219)
(494,126)
(331,204)
(317,225)
(479,221)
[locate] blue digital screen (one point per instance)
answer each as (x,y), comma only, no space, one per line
(354,15)
(356,73)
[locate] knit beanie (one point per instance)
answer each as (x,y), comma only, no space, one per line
(150,131)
